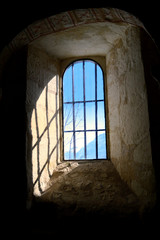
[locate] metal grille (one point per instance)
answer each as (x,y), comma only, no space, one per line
(83,106)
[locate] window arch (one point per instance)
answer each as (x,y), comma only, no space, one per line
(84,124)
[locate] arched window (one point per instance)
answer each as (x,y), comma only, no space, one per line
(84,124)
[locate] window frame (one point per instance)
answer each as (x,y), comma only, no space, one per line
(70,63)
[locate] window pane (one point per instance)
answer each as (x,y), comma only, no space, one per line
(100,115)
(91,145)
(68,146)
(78,81)
(79,116)
(79,145)
(101,145)
(68,117)
(86,126)
(67,85)
(90,116)
(89,80)
(100,91)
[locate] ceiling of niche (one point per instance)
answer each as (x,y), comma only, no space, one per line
(91,39)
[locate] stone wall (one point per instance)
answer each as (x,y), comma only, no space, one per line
(89,188)
(130,148)
(43,117)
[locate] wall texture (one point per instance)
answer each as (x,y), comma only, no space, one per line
(43,117)
(127,107)
(93,187)
(128,120)
(130,148)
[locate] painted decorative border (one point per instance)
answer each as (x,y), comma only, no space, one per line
(70,19)
(64,21)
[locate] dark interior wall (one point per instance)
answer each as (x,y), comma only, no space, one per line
(13,127)
(151,61)
(153,88)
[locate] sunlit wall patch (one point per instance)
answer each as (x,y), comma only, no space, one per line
(84,128)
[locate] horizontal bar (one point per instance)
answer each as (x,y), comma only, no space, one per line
(101,100)
(86,160)
(89,130)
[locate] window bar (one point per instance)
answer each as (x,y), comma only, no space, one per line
(96,110)
(99,100)
(84,96)
(89,130)
(74,140)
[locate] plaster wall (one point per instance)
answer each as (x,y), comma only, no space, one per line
(43,116)
(130,147)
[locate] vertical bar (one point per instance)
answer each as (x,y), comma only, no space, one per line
(74,140)
(105,112)
(96,110)
(84,96)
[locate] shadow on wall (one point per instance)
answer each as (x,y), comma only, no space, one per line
(45,136)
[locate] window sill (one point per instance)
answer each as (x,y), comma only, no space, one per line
(85,161)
